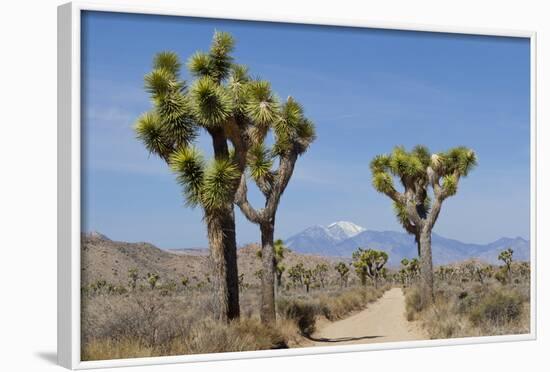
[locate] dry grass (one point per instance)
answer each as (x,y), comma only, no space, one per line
(333,305)
(145,323)
(468,309)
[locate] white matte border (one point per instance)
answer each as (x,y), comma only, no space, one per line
(69,16)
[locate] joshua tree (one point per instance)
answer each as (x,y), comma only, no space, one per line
(184,281)
(259,274)
(369,263)
(320,272)
(308,277)
(152,279)
(133,276)
(483,272)
(506,257)
(295,273)
(234,110)
(417,171)
(279,254)
(343,271)
(292,133)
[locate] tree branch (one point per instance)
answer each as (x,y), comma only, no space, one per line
(241,200)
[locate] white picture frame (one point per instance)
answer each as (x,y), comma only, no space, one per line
(69,228)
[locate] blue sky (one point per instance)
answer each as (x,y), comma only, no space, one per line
(367,91)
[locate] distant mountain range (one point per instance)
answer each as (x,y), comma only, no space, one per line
(342,238)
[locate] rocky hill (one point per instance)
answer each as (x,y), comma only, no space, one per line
(105,259)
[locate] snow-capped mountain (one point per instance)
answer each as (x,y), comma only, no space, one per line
(315,239)
(342,238)
(322,240)
(342,230)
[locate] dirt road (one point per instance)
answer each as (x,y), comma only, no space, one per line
(383,321)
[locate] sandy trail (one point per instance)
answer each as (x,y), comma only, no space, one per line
(382,321)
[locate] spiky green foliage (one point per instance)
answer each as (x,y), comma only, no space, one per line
(260,162)
(293,131)
(217,63)
(188,164)
(169,61)
(150,131)
(212,103)
(220,54)
(159,82)
(383,182)
(262,104)
(219,184)
(238,88)
(200,65)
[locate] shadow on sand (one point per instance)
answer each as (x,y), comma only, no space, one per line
(340,339)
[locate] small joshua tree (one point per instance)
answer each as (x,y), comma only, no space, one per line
(133,276)
(343,270)
(279,250)
(279,255)
(259,274)
(320,272)
(296,273)
(418,171)
(506,257)
(152,279)
(308,277)
(483,272)
(369,263)
(184,281)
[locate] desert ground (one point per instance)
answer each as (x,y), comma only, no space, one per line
(139,301)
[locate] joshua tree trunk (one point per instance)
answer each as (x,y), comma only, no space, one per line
(221,237)
(426,269)
(223,247)
(267,313)
(279,279)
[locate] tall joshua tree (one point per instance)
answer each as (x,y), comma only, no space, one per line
(215,102)
(293,133)
(418,171)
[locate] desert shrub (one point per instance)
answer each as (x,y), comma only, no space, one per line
(209,336)
(473,309)
(498,308)
(331,305)
(114,349)
(300,311)
(413,303)
(147,322)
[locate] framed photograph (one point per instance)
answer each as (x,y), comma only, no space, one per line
(240,186)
